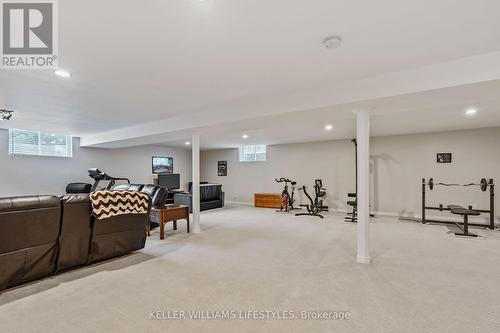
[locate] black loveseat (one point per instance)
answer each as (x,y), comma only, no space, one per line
(211,197)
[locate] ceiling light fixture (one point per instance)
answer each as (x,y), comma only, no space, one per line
(244,136)
(329,127)
(188,143)
(471,112)
(332,42)
(62,73)
(5,114)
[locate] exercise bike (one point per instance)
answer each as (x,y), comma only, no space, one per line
(316,206)
(287,200)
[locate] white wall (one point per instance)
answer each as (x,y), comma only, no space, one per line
(397,165)
(25,175)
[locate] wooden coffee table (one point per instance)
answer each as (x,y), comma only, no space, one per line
(169,213)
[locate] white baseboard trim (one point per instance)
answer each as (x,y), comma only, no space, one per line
(483,219)
(363,260)
(240,203)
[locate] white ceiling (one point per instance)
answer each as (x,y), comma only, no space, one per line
(174,67)
(430,111)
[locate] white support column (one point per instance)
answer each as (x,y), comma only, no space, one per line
(196,182)
(363,138)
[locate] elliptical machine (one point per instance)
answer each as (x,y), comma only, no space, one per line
(287,200)
(316,206)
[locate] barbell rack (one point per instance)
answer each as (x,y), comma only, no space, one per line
(484,184)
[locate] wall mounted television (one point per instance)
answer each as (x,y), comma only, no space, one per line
(163,165)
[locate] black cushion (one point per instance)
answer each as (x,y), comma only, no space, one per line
(78,188)
(463,211)
(209,192)
(157,193)
(135,187)
(149,189)
(160,197)
(121,187)
(190,186)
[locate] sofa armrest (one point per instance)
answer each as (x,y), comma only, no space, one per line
(183,199)
(222,198)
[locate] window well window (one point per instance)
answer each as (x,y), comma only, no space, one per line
(24,142)
(253,153)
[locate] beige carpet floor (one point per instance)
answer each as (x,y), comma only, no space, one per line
(422,280)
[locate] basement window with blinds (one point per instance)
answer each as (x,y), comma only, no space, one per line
(24,142)
(253,153)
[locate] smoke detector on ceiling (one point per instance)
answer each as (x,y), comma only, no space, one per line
(332,42)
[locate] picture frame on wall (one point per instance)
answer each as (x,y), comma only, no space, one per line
(443,158)
(162,165)
(222,168)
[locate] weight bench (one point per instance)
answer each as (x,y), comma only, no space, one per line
(459,210)
(353,216)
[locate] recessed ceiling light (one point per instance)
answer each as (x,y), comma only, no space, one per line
(329,127)
(188,143)
(332,42)
(62,73)
(471,112)
(244,136)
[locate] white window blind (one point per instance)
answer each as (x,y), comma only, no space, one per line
(24,142)
(253,153)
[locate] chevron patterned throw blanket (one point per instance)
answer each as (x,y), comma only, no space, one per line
(107,204)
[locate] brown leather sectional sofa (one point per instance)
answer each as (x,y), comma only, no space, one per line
(44,235)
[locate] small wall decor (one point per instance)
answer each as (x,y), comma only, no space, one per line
(443,158)
(222,168)
(162,164)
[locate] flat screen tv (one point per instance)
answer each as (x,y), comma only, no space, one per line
(163,165)
(170,181)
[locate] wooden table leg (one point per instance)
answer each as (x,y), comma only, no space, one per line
(175,225)
(148,228)
(187,219)
(162,230)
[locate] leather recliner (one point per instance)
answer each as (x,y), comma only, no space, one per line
(157,193)
(29,232)
(76,230)
(43,235)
